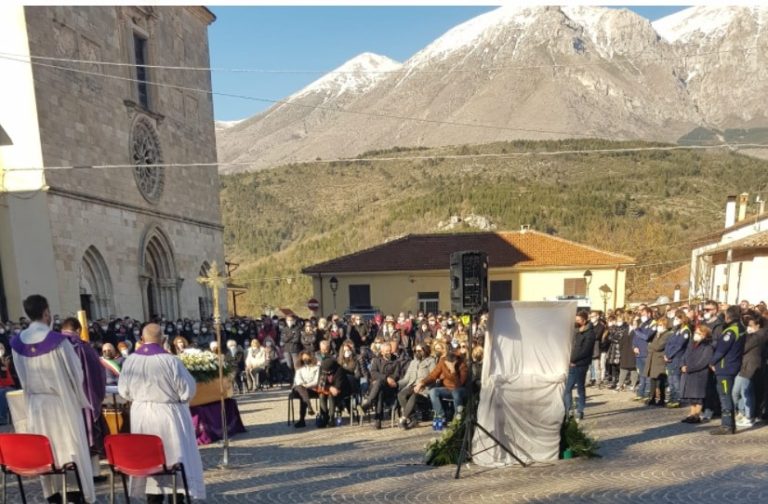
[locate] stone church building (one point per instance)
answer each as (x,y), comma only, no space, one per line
(111,235)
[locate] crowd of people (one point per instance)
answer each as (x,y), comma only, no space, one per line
(712,358)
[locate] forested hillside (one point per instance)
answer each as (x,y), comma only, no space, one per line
(647,204)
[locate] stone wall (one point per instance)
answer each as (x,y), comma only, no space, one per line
(117,235)
(87,119)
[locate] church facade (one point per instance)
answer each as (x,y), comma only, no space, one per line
(87,218)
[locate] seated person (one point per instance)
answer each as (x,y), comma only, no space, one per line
(305,385)
(386,369)
(451,370)
(351,366)
(418,369)
(333,389)
(255,364)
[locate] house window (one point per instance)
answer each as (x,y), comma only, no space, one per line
(429,302)
(501,290)
(575,287)
(142,73)
(359,295)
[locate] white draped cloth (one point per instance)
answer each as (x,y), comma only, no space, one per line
(160,388)
(53,392)
(525,365)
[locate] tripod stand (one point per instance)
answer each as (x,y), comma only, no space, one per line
(470,418)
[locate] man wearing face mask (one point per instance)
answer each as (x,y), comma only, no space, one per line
(726,364)
(236,358)
(385,371)
(581,356)
(418,369)
(641,336)
(743,387)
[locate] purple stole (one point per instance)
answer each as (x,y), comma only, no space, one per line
(149,349)
(51,341)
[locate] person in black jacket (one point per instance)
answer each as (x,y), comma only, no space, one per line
(386,370)
(333,388)
(290,340)
(581,358)
(751,361)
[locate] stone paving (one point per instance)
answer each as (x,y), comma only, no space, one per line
(647,456)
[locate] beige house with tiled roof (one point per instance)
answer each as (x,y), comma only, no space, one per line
(411,273)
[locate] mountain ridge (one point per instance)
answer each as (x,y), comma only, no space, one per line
(591,71)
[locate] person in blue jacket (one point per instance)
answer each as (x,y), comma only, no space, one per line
(673,355)
(726,364)
(641,336)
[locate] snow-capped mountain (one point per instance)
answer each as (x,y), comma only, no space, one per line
(222,125)
(357,75)
(526,72)
(726,70)
(266,138)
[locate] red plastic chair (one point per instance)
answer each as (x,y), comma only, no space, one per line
(30,455)
(140,456)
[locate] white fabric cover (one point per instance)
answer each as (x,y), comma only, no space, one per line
(525,365)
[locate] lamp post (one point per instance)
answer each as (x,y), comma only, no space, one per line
(214,281)
(334,283)
(605,293)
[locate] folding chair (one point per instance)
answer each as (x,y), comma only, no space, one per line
(140,456)
(30,455)
(291,409)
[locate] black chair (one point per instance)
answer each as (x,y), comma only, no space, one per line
(293,395)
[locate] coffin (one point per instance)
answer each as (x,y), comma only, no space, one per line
(210,391)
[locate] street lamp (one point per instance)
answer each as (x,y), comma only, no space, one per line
(605,293)
(334,283)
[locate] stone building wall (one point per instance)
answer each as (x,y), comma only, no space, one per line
(87,119)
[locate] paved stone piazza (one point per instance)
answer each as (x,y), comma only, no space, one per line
(647,456)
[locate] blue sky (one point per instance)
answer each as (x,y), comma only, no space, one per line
(320,38)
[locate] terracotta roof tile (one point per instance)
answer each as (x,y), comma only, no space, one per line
(525,249)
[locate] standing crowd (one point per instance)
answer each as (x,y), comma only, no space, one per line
(712,358)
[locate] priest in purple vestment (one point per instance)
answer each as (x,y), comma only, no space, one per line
(94,386)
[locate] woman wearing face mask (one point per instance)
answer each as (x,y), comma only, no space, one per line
(695,371)
(304,384)
(656,367)
(627,360)
(418,369)
(255,365)
(673,355)
(351,366)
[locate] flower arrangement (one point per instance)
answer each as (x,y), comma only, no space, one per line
(203,365)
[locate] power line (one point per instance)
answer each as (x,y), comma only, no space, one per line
(437,157)
(361,71)
(301,105)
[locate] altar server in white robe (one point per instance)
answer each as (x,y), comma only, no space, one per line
(52,379)
(160,387)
